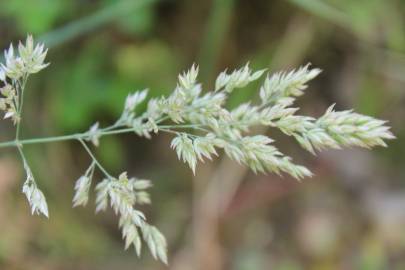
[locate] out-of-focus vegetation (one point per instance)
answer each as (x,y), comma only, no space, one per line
(350,216)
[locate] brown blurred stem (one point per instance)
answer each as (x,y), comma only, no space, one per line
(213,198)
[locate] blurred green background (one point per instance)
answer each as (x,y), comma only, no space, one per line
(351,215)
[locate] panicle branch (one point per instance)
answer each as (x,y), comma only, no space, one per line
(202,125)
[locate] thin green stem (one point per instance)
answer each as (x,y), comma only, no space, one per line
(112,127)
(40,140)
(103,132)
(95,159)
(20,151)
(164,118)
(178,132)
(15,99)
(20,107)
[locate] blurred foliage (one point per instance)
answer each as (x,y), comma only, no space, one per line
(35,16)
(348,217)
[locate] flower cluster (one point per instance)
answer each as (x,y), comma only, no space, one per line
(123,194)
(9,103)
(201,124)
(14,74)
(82,187)
(218,127)
(34,195)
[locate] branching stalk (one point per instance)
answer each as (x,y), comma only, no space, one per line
(95,159)
(201,125)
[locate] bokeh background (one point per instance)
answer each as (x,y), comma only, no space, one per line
(351,215)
